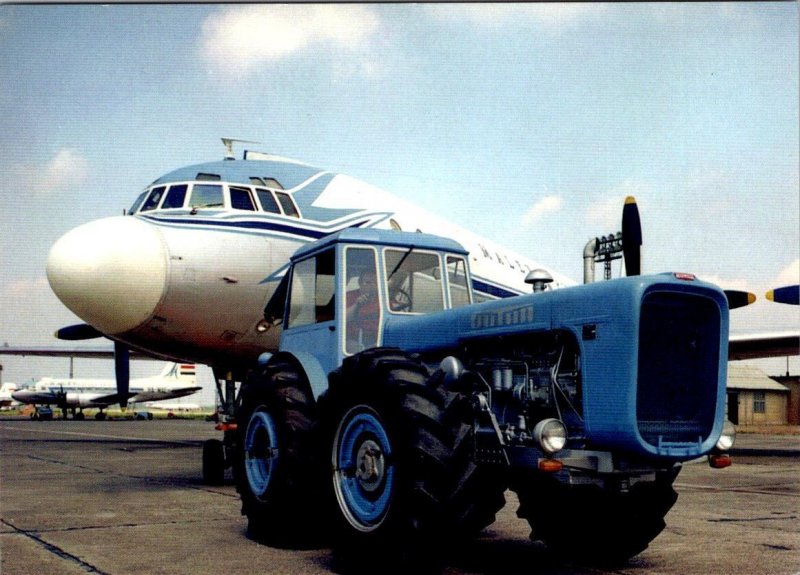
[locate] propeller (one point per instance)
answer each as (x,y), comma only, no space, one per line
(786,294)
(122,356)
(77,332)
(631,237)
(738,298)
(122,371)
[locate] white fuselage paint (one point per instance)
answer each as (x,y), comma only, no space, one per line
(191,285)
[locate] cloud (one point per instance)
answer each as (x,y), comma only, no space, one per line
(64,171)
(547,205)
(548,17)
(605,216)
(238,38)
(789,275)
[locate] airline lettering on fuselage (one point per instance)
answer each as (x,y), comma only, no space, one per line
(504,317)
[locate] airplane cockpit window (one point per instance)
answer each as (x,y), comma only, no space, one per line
(137,204)
(273,183)
(242,199)
(268,203)
(206,196)
(204,177)
(153,199)
(269,182)
(175,197)
(288,205)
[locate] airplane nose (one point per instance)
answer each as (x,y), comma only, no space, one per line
(111,273)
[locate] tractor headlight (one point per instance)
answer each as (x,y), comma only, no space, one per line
(728,437)
(551,435)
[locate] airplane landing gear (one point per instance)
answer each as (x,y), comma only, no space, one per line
(214,462)
(218,454)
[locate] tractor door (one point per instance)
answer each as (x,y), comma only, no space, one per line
(311,321)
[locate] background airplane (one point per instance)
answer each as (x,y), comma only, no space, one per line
(176,380)
(5,394)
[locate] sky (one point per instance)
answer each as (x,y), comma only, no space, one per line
(527,123)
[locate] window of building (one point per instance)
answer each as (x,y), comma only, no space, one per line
(759,402)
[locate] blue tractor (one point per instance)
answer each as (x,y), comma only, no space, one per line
(397,413)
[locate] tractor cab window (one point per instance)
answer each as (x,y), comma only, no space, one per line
(362,300)
(414,280)
(312,292)
(457,280)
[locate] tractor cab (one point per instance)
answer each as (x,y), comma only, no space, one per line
(341,291)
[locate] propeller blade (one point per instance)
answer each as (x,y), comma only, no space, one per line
(786,294)
(77,332)
(631,237)
(739,298)
(122,370)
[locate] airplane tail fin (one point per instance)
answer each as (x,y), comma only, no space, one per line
(186,373)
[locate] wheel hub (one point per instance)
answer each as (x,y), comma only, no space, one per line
(370,466)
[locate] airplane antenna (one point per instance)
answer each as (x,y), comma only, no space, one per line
(228,143)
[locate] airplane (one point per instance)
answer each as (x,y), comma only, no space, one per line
(175,380)
(186,273)
(5,394)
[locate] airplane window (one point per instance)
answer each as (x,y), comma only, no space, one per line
(153,199)
(242,199)
(207,177)
(288,205)
(175,197)
(137,203)
(273,183)
(206,196)
(257,181)
(268,203)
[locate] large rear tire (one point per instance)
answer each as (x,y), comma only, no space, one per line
(274,463)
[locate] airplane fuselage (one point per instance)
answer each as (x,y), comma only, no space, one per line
(187,273)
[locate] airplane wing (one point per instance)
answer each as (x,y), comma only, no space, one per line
(82,352)
(753,346)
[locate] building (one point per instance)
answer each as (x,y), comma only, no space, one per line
(754,398)
(793,383)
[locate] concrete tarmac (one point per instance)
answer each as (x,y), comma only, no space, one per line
(126,497)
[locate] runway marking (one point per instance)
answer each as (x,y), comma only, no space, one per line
(54,549)
(98,435)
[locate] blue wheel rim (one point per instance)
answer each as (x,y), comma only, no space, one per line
(364,471)
(260,452)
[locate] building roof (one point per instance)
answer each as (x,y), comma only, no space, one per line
(752,378)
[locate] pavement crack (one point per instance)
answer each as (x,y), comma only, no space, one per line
(54,549)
